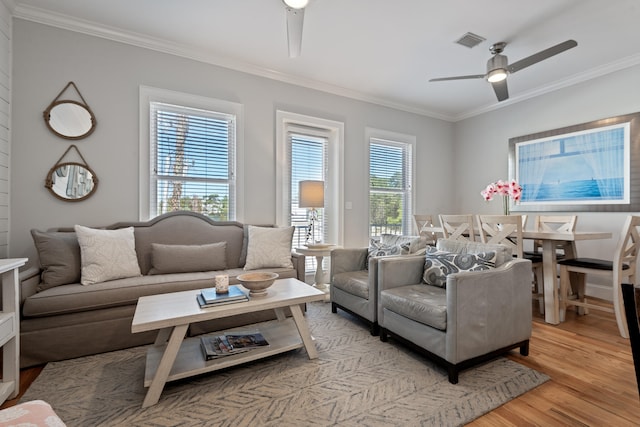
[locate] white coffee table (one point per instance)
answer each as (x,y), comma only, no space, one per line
(174,357)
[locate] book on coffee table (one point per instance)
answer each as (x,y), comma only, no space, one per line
(210,298)
(249,340)
(215,346)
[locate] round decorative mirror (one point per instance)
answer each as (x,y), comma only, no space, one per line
(71,181)
(70,119)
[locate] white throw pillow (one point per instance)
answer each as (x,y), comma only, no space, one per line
(269,247)
(106,254)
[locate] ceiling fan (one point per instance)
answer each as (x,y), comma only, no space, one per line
(498,66)
(295,19)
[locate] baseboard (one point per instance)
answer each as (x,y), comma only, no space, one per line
(599,291)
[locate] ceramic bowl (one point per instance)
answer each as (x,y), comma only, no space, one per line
(257,283)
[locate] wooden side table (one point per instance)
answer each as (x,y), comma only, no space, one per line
(10,328)
(319,253)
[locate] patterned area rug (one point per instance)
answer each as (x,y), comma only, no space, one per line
(357,380)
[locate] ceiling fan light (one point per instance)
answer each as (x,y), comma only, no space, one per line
(296,4)
(497,75)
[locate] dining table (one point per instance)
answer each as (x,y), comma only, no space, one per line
(550,241)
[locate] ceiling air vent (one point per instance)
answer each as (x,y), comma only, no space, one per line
(470,40)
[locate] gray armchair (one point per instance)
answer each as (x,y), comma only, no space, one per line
(353,286)
(477,316)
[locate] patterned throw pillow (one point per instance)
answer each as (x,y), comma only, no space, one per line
(408,244)
(439,264)
(377,248)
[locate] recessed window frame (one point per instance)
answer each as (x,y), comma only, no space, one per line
(149,95)
(397,139)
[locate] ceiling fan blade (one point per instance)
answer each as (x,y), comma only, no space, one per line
(542,55)
(295,19)
(472,76)
(500,88)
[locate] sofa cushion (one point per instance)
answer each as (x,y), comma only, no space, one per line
(269,247)
(188,258)
(353,282)
(106,254)
(503,253)
(439,264)
(423,303)
(59,255)
(76,298)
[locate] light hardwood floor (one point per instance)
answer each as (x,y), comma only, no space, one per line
(591,369)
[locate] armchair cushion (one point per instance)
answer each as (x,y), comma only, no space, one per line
(354,282)
(439,264)
(423,303)
(395,244)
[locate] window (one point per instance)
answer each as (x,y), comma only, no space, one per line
(308,159)
(191,156)
(309,148)
(390,182)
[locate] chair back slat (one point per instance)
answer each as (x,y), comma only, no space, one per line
(458,227)
(502,229)
(425,227)
(554,224)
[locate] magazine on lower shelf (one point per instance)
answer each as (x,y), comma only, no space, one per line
(215,346)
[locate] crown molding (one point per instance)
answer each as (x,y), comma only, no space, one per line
(66,22)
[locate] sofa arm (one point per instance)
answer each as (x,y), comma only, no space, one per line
(349,259)
(29,281)
(299,264)
(488,309)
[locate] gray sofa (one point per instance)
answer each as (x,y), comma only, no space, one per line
(476,316)
(60,320)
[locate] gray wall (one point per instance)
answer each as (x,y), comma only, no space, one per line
(482,144)
(109,74)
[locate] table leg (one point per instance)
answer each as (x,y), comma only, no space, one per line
(319,279)
(551,303)
(165,365)
(303,330)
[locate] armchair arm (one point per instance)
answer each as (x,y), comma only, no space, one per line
(349,259)
(488,309)
(394,271)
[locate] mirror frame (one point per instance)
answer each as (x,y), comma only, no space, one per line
(56,101)
(49,181)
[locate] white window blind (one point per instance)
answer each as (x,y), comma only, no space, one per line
(390,178)
(193,161)
(307,151)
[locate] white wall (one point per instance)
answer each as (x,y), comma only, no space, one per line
(482,144)
(109,74)
(5,124)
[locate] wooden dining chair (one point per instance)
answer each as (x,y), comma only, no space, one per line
(622,268)
(502,229)
(426,228)
(631,297)
(458,227)
(555,224)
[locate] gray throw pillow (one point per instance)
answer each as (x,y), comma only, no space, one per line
(167,259)
(439,264)
(377,249)
(59,254)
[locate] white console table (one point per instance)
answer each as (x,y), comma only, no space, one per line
(10,328)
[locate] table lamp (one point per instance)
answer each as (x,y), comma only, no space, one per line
(311,195)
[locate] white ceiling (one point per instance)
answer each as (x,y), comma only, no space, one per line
(383,51)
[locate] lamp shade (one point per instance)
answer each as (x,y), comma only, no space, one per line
(311,194)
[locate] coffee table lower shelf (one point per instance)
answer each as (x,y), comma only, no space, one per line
(282,336)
